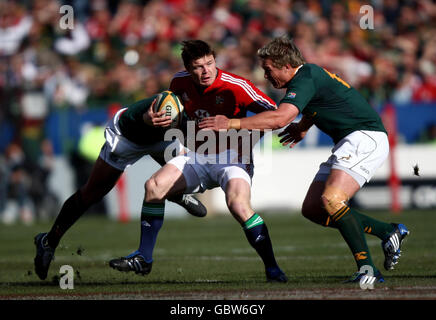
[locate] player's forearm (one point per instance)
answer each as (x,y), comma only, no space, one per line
(265,120)
(273,120)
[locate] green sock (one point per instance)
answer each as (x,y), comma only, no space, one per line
(257,235)
(372,226)
(352,232)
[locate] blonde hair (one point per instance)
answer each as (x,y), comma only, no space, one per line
(281,51)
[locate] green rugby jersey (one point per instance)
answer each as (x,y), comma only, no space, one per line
(133,127)
(336,108)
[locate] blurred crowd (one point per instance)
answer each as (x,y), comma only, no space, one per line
(119,51)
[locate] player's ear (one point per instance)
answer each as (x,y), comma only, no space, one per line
(288,67)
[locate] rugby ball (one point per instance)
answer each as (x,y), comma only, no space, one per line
(169,102)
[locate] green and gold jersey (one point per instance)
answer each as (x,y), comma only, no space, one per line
(133,127)
(337,108)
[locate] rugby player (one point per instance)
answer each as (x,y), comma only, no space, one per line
(133,132)
(206,91)
(361,146)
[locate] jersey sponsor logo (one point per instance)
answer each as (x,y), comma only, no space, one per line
(291,95)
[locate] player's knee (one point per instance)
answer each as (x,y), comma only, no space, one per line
(152,191)
(234,204)
(333,199)
(149,185)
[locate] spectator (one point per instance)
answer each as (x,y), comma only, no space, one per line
(15,25)
(72,42)
(67,87)
(124,50)
(427,66)
(384,64)
(15,199)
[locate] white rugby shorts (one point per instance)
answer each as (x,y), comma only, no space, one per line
(120,152)
(359,154)
(203,173)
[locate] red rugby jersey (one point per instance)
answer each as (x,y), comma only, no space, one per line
(229,95)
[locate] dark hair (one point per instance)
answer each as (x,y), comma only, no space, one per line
(281,51)
(193,50)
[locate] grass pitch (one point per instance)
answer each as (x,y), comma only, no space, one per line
(209,258)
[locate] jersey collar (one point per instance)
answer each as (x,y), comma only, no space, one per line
(293,76)
(296,70)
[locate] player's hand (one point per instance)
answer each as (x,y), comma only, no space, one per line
(291,135)
(156,119)
(216,123)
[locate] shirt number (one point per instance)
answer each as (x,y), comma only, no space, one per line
(334,76)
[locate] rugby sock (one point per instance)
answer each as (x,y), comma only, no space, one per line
(352,232)
(71,210)
(152,216)
(257,235)
(370,225)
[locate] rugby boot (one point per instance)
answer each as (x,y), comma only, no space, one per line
(275,274)
(392,245)
(364,277)
(133,262)
(44,255)
(191,204)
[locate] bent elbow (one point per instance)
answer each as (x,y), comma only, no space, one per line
(286,113)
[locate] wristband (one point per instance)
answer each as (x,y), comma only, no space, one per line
(234,124)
